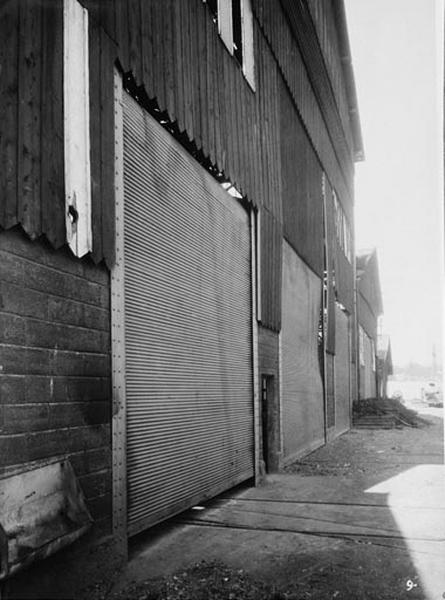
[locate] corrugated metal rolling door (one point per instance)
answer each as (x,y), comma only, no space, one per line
(342,372)
(187,328)
(303,411)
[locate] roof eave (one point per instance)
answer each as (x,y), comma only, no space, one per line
(348,72)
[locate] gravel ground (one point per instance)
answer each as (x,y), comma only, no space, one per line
(337,568)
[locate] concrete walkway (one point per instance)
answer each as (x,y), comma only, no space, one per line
(372,525)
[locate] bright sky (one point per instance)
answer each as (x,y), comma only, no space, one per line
(396,50)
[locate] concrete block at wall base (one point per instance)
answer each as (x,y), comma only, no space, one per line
(87,569)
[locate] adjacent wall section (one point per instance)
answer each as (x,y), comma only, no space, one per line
(342,372)
(55,365)
(302,388)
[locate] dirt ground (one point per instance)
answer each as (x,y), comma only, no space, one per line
(261,560)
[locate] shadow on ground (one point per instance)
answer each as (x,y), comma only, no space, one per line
(363,517)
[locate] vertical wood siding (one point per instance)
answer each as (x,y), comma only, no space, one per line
(271,270)
(331,250)
(339,265)
(366,317)
(300,21)
(31,94)
(281,39)
(31,128)
(323,17)
(173,52)
(301,188)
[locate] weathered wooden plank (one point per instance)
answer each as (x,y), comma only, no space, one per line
(194,63)
(30,332)
(263,116)
(108,17)
(95,138)
(27,447)
(147,47)
(34,389)
(158,59)
(22,418)
(201,65)
(178,73)
(92,461)
(135,42)
(100,506)
(250,185)
(244,90)
(18,360)
(235,139)
(210,32)
(122,35)
(79,389)
(94,9)
(96,484)
(169,67)
(187,30)
(222,112)
(107,54)
(12,329)
(9,33)
(227,102)
(45,279)
(62,310)
(52,145)
(217,90)
(15,300)
(29,117)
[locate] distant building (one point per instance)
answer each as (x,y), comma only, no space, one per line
(369,309)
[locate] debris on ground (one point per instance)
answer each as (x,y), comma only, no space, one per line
(386,409)
(204,581)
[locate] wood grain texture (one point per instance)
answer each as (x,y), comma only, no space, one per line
(55,390)
(52,187)
(9,31)
(29,117)
(175,55)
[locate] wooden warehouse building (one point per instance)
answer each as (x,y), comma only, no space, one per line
(369,309)
(176,248)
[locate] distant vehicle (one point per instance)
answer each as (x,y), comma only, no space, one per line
(431,393)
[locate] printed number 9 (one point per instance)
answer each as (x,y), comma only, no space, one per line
(410,585)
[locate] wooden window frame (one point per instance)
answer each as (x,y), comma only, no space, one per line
(225,22)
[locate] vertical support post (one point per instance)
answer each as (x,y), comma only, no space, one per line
(258,267)
(118,332)
(280,389)
(255,382)
(324,305)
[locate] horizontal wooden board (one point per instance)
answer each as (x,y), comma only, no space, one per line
(55,384)
(25,447)
(20,418)
(27,388)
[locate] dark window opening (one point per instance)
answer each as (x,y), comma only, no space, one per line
(267,399)
(237,31)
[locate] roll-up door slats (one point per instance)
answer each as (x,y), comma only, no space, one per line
(187,327)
